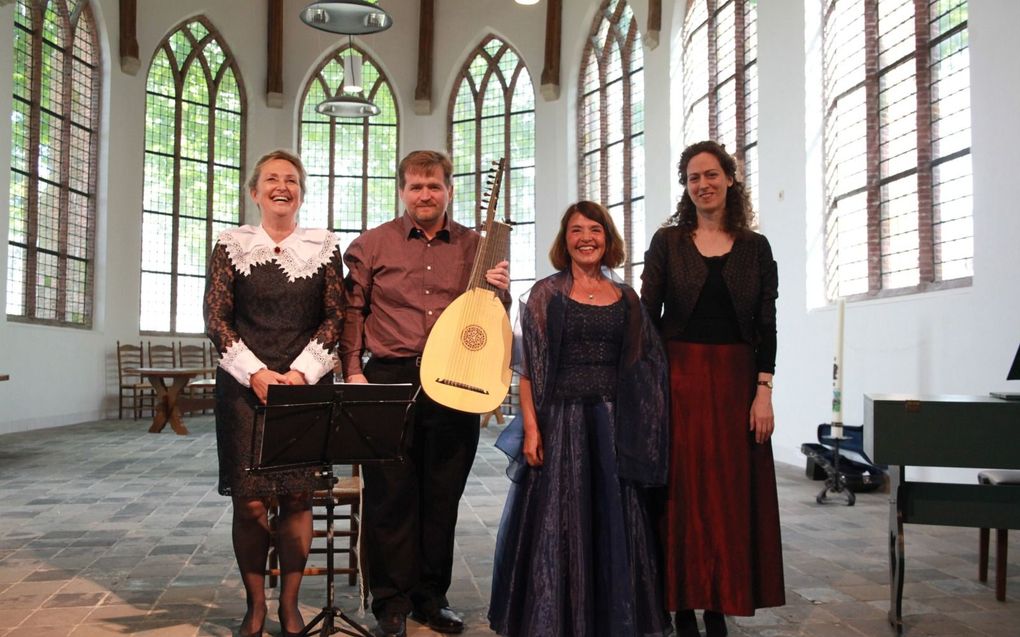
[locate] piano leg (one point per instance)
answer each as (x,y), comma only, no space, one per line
(896,548)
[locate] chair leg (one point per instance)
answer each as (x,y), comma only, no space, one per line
(352,556)
(1000,564)
(983,555)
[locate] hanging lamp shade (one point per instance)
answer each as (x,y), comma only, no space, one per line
(352,73)
(350,17)
(347,105)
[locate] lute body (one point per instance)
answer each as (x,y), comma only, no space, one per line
(466,361)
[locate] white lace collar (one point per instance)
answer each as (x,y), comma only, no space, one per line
(300,255)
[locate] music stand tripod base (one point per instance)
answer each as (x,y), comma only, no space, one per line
(835,481)
(322,425)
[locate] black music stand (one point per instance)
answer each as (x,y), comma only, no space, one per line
(323,425)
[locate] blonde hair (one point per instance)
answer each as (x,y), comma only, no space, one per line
(285,155)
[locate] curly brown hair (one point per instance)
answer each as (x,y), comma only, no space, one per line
(616,252)
(738,203)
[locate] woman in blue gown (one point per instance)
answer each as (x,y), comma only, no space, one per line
(576,554)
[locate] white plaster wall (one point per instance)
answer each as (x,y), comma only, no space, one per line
(958,341)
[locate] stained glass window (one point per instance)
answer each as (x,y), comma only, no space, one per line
(194,172)
(54,158)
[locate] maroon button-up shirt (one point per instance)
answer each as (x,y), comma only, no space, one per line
(398,283)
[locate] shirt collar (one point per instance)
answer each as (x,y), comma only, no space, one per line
(411,229)
(301,242)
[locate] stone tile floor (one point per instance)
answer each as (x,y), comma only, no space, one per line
(106,529)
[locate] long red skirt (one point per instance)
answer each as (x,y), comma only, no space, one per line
(722,541)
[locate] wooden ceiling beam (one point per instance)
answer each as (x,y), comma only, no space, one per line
(274,54)
(129,60)
(426,37)
(553,41)
(654,24)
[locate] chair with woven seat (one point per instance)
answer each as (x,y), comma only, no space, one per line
(201,387)
(134,391)
(346,492)
(997,478)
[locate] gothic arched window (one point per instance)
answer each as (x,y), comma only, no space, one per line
(54,161)
(492,115)
(611,126)
(194,172)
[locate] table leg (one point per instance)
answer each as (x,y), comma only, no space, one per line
(896,548)
(160,413)
(176,423)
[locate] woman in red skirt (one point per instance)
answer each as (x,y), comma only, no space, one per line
(710,284)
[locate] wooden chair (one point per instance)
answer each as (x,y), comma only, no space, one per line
(162,355)
(201,387)
(345,493)
(133,389)
(1008,479)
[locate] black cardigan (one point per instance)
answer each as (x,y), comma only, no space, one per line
(675,272)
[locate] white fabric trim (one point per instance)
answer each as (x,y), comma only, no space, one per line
(240,362)
(301,254)
(314,362)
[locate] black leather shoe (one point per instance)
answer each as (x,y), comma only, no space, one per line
(715,624)
(393,625)
(441,620)
(686,624)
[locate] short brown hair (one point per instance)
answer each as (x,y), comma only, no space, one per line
(424,161)
(616,252)
(279,153)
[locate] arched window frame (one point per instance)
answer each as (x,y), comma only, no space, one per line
(720,55)
(896,91)
(54,163)
(614,179)
(490,70)
(375,187)
(223,203)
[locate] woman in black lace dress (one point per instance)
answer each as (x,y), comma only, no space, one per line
(273,303)
(576,553)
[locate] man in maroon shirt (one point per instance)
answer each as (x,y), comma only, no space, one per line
(401,276)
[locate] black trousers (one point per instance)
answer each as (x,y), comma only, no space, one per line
(410,508)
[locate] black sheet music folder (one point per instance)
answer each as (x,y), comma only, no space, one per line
(316,425)
(1014,374)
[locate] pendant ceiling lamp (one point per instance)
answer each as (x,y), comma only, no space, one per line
(349,17)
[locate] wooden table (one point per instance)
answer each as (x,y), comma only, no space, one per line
(941,431)
(167,406)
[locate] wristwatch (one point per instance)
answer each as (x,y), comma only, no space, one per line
(766,383)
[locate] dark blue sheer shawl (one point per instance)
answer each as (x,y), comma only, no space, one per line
(642,414)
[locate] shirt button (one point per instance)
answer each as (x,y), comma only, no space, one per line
(428,267)
(276,250)
(427,292)
(430,312)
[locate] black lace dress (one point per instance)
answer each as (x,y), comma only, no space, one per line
(277,306)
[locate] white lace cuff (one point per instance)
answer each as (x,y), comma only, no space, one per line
(314,362)
(240,362)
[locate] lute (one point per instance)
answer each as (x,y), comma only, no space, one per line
(466,361)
